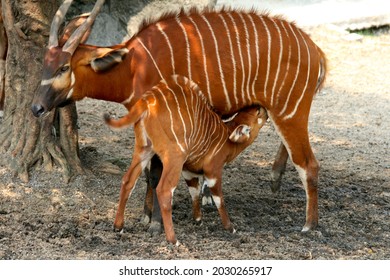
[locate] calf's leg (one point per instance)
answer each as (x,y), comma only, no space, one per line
(194,189)
(168,182)
(156,169)
(152,212)
(214,182)
(128,182)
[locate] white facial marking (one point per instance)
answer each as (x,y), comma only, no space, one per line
(229,119)
(72,79)
(47,82)
(70,93)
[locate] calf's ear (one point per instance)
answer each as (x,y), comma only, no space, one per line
(109,59)
(240,134)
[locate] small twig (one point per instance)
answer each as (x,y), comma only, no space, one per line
(19,31)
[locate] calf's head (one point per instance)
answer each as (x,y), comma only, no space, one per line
(246,124)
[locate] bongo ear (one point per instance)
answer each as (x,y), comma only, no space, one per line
(240,134)
(109,59)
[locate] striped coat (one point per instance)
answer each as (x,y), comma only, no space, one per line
(174,121)
(237,58)
(240,59)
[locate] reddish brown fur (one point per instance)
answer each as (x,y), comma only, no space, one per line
(291,68)
(198,129)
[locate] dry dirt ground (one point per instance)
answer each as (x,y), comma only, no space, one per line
(350,132)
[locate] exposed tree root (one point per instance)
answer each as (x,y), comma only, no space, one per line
(69,143)
(25,141)
(37,147)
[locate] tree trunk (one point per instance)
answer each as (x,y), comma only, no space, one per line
(26,141)
(3,53)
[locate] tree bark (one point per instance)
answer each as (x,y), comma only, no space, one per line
(26,141)
(3,53)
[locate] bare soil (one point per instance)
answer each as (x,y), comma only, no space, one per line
(350,134)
